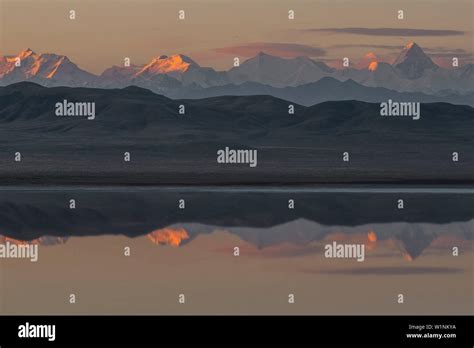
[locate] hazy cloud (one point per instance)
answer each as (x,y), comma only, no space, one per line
(446,52)
(383,47)
(435,51)
(388,31)
(287,50)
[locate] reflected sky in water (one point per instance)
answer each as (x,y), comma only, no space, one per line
(281,251)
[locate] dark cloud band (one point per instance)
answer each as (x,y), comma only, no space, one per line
(388,31)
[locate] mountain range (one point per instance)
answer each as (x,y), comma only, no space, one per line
(170,147)
(262,219)
(179,76)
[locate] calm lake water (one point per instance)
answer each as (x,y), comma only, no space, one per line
(238,250)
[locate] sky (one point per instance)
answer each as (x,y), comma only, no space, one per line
(216,282)
(215,31)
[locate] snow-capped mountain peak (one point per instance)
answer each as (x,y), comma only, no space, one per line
(164,65)
(413,62)
(44,69)
(180,68)
(279,72)
(373,66)
(412,71)
(367,60)
(26,53)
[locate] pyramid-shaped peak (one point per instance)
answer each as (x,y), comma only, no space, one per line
(412,48)
(413,45)
(413,52)
(413,62)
